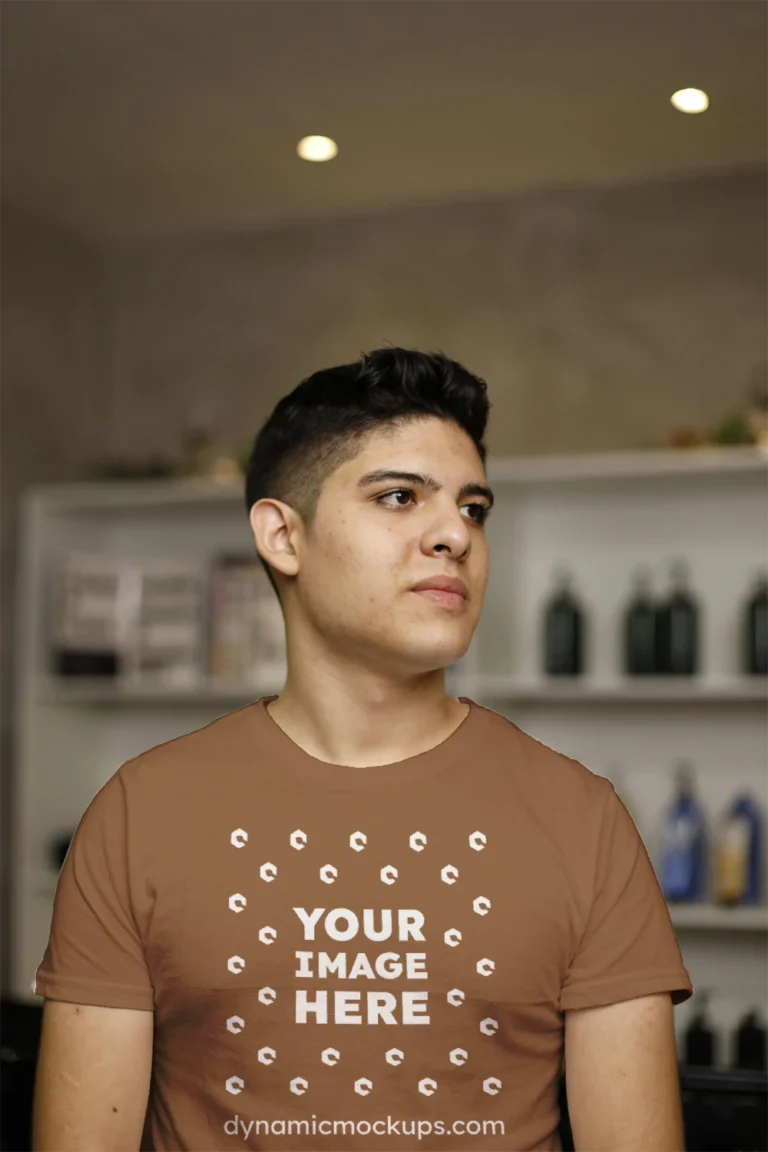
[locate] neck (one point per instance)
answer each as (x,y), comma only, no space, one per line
(364,720)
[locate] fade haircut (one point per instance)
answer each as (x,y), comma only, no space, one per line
(325,421)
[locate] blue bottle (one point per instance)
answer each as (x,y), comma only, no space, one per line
(683,847)
(739,854)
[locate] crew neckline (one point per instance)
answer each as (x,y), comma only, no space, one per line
(294,760)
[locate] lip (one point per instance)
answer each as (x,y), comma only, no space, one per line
(443,584)
(442,597)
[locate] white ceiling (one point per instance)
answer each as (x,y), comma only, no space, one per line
(129,117)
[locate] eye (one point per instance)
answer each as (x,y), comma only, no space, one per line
(482,510)
(395,492)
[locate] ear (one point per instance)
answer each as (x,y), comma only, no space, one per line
(275,526)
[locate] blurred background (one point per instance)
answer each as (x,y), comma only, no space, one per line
(570,198)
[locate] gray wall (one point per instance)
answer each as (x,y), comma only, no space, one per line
(598,317)
(55,391)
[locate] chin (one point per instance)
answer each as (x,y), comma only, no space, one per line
(436,652)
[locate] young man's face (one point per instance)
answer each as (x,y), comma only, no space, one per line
(371,542)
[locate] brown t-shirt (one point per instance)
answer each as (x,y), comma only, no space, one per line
(357,958)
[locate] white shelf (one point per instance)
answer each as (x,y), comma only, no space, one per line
(98,690)
(710,917)
(79,691)
(128,495)
(138,495)
(642,690)
(630,465)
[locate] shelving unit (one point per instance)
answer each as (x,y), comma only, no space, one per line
(602,514)
(708,917)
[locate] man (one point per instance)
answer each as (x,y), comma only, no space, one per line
(361,914)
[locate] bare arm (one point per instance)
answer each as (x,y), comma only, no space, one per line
(92,1081)
(622,1079)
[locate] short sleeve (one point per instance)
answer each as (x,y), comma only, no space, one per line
(95,954)
(628,947)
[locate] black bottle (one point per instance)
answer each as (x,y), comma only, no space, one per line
(563,629)
(677,627)
(699,1037)
(59,848)
(756,630)
(751,1043)
(640,628)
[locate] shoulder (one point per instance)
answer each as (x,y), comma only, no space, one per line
(538,760)
(187,764)
(560,787)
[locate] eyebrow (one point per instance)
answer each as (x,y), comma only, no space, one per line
(429,482)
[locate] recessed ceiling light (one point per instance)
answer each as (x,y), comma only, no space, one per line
(317,148)
(690,100)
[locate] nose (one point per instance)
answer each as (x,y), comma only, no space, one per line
(450,531)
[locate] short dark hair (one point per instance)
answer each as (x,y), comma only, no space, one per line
(324,421)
